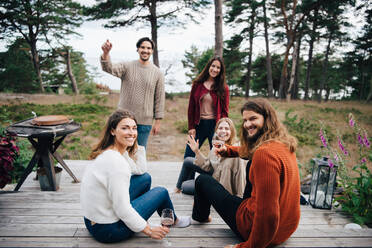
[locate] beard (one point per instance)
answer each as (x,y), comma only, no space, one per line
(143,58)
(254,138)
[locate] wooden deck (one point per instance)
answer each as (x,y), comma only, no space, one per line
(32,218)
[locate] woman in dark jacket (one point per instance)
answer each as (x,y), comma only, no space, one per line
(209,102)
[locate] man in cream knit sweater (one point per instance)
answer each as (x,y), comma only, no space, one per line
(142,87)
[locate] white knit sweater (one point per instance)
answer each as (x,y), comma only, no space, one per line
(104,192)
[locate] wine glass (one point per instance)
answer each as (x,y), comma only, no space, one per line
(167,217)
(216,144)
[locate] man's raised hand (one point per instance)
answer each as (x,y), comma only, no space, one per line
(106,47)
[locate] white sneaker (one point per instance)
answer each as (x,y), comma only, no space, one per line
(182,221)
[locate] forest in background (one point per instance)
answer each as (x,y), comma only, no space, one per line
(319,52)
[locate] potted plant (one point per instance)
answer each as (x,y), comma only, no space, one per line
(9,151)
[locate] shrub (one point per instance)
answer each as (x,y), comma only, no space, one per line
(21,162)
(8,153)
(357,195)
(182,126)
(301,128)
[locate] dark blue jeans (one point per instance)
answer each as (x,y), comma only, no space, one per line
(143,200)
(204,130)
(188,171)
(143,134)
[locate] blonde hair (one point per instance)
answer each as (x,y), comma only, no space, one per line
(107,139)
(273,129)
(231,140)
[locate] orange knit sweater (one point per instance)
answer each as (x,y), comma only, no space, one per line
(272,213)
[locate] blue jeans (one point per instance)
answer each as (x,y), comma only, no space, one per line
(204,130)
(143,200)
(188,171)
(143,134)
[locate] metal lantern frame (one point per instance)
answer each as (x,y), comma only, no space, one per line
(323,182)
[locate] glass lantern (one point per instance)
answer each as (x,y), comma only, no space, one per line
(323,182)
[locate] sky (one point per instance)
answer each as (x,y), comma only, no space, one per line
(172,44)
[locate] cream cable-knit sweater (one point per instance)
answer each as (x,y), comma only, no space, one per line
(142,89)
(104,191)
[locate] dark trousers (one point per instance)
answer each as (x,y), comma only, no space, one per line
(188,171)
(204,130)
(210,192)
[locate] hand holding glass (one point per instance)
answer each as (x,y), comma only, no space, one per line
(217,144)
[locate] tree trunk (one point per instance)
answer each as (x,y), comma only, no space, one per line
(362,88)
(293,71)
(283,76)
(369,97)
(36,63)
(70,74)
(218,28)
(270,87)
(249,65)
(154,32)
(310,56)
(297,74)
(325,68)
(291,29)
(328,92)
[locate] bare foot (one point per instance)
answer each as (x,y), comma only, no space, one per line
(209,218)
(177,190)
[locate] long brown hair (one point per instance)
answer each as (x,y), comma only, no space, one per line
(219,81)
(273,129)
(107,139)
(231,140)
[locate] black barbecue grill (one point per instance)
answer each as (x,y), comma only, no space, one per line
(45,140)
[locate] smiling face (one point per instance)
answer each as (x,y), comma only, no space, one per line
(253,124)
(125,134)
(145,50)
(214,69)
(223,131)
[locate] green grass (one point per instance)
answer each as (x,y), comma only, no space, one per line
(92,117)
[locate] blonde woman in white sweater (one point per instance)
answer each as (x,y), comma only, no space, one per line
(115,193)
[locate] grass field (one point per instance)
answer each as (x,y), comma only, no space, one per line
(303,120)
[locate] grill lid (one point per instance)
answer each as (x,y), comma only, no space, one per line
(48,120)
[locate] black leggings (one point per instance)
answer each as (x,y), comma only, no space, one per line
(210,192)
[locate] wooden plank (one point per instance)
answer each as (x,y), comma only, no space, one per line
(37,230)
(176,242)
(216,219)
(63,230)
(327,242)
(32,218)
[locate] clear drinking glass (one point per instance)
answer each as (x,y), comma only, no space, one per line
(216,143)
(167,217)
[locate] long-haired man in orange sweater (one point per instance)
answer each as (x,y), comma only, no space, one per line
(269,211)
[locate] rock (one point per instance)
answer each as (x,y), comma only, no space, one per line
(352,226)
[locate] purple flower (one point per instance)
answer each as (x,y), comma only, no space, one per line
(342,147)
(351,122)
(330,163)
(364,160)
(365,140)
(360,140)
(322,138)
(335,157)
